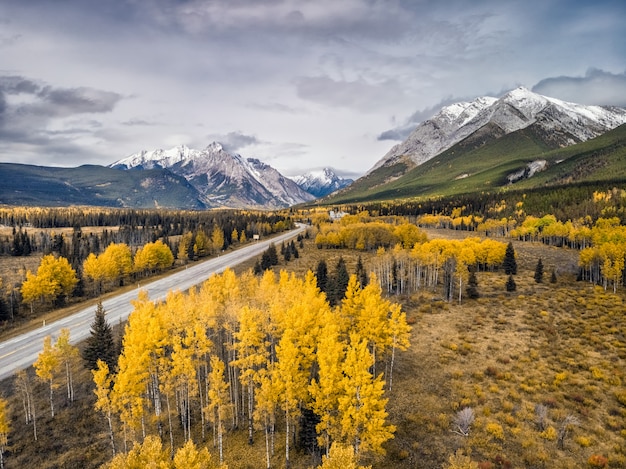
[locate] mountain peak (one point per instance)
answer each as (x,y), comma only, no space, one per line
(214,147)
(321,182)
(223,179)
(516,110)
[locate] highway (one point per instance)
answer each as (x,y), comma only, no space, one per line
(20,352)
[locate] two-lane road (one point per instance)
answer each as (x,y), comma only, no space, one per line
(21,351)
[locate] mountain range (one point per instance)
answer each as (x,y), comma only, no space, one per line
(484,144)
(179,177)
(521,139)
(222,178)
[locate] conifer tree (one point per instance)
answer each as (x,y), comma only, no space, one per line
(539,271)
(339,283)
(100,344)
(472,285)
(510,284)
(361,274)
(509,264)
(553,276)
(321,274)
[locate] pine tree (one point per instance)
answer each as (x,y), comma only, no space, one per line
(510,284)
(539,271)
(509,263)
(273,255)
(321,274)
(553,276)
(472,286)
(361,274)
(100,344)
(339,283)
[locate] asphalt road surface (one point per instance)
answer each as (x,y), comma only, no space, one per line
(20,352)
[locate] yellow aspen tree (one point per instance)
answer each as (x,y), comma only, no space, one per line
(242,237)
(292,380)
(185,246)
(218,402)
(92,269)
(46,366)
(400,333)
(217,239)
(183,375)
(67,355)
(23,385)
(201,246)
(265,408)
(55,279)
(234,236)
(189,457)
(364,311)
(149,454)
(325,390)
(102,380)
(116,262)
(34,289)
(138,377)
(252,353)
(5,428)
(362,405)
(341,456)
(464,257)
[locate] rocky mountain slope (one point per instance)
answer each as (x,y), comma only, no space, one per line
(563,124)
(223,179)
(489,144)
(321,183)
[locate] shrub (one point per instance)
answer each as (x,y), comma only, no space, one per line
(495,430)
(549,433)
(597,460)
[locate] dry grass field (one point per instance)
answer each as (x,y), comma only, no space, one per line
(557,347)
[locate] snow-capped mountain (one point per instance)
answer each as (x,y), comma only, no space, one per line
(321,183)
(223,179)
(563,124)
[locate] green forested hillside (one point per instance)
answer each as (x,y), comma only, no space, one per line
(480,164)
(94,185)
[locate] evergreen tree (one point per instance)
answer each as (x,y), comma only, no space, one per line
(321,274)
(539,271)
(266,261)
(339,284)
(472,285)
(510,284)
(509,263)
(361,274)
(553,276)
(100,344)
(273,255)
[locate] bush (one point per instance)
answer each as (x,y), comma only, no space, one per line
(597,460)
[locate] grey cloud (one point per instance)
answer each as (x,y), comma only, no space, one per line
(79,100)
(597,87)
(402,131)
(359,94)
(233,141)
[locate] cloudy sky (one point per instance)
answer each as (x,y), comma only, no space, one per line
(300,84)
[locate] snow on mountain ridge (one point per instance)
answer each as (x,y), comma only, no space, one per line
(517,109)
(321,182)
(222,178)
